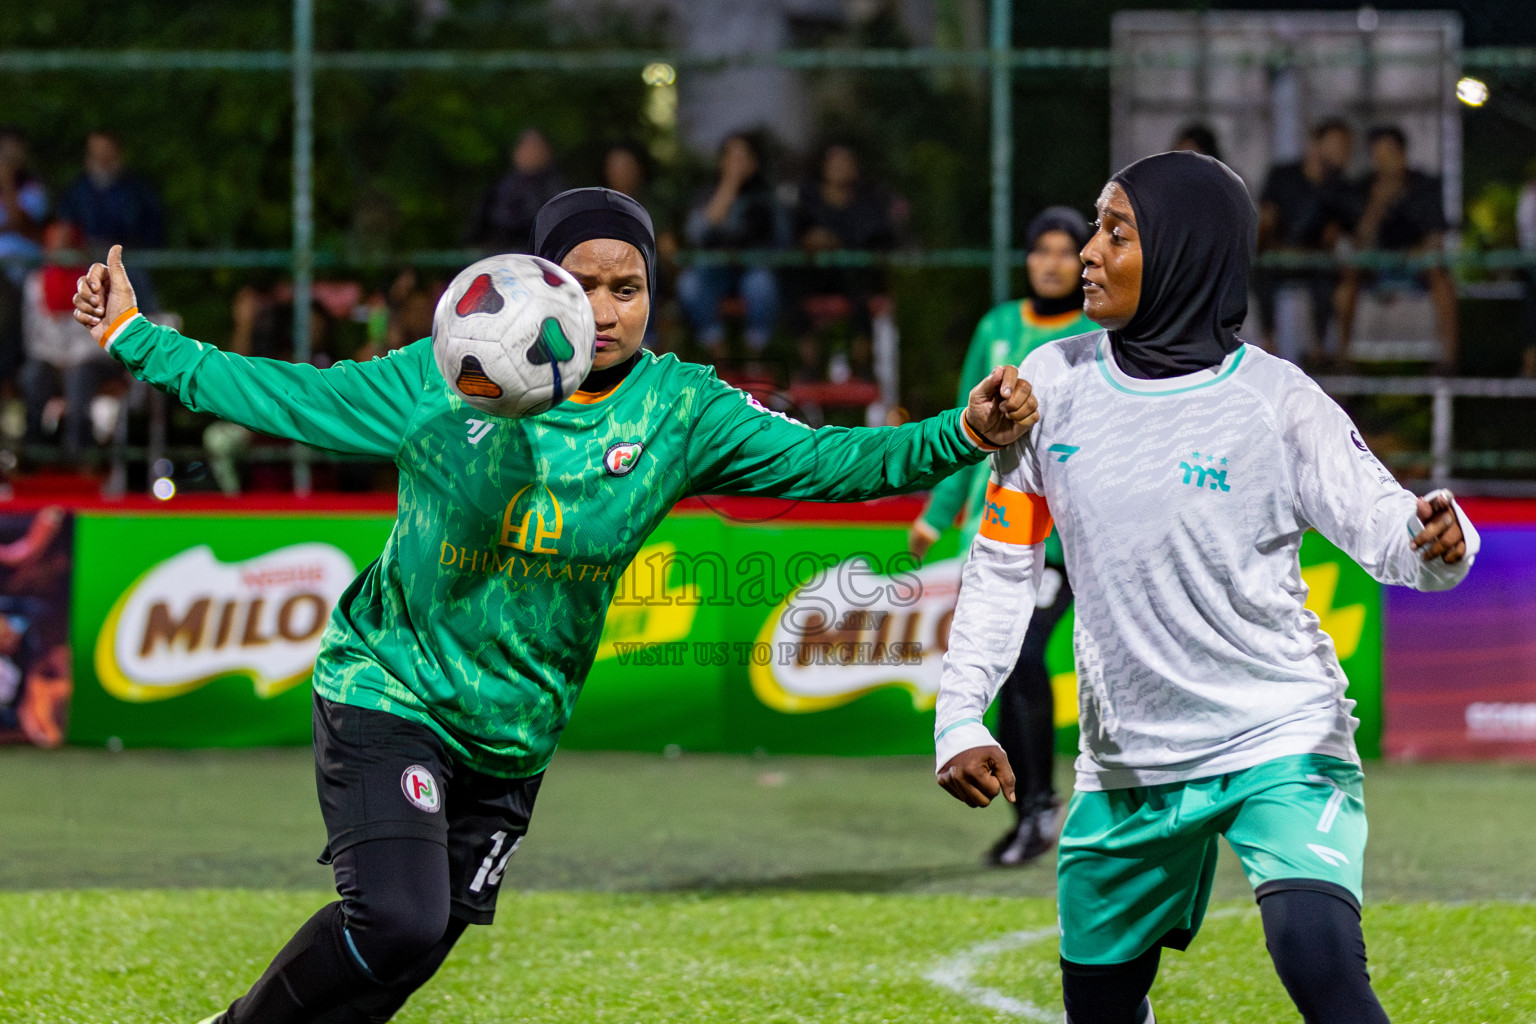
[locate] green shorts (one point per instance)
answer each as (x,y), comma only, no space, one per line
(1135,865)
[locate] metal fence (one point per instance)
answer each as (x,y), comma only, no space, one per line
(1001,62)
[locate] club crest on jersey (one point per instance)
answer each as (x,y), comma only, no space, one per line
(621,457)
(420,788)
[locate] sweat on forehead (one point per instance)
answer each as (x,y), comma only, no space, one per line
(609,253)
(1113,198)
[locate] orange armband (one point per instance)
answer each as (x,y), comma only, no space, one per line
(1014,517)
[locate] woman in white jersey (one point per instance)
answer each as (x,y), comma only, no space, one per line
(1182,468)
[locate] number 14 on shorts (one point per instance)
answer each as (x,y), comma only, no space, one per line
(492,869)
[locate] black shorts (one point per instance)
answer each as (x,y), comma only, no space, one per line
(381,776)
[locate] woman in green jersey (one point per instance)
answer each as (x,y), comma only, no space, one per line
(450,666)
(1026,708)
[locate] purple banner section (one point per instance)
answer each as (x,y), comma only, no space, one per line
(1460,666)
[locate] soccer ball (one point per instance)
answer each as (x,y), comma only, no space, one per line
(513,335)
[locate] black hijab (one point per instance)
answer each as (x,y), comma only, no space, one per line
(580,215)
(1068,220)
(1198,229)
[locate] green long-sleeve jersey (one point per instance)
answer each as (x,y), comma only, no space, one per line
(481,617)
(1005,335)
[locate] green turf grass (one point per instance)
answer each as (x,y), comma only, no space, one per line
(167,955)
(76,818)
(762,890)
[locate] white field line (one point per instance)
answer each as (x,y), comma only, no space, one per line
(956,973)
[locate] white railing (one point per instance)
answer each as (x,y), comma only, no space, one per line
(1442,393)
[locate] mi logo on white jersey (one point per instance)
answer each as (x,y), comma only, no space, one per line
(478,429)
(1207,475)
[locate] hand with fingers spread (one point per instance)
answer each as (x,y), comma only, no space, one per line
(104,294)
(976,776)
(1441,536)
(1002,407)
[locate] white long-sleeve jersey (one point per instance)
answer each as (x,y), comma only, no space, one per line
(1181,505)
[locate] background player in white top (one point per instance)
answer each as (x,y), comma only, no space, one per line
(1183,467)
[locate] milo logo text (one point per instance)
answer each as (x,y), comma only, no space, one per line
(193,618)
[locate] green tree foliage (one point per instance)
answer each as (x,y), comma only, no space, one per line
(399,157)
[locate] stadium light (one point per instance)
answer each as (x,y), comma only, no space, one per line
(658,74)
(660,109)
(1472,91)
(164,488)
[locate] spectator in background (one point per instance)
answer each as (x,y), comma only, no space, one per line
(1304,208)
(114,206)
(503,218)
(1399,210)
(262,326)
(412,304)
(408,307)
(61,356)
(23,207)
(1198,138)
(739,212)
(627,168)
(839,209)
(1525,222)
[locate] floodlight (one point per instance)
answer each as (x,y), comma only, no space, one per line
(1471,91)
(658,74)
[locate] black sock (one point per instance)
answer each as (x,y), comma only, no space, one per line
(1108,993)
(311,974)
(393,918)
(1315,941)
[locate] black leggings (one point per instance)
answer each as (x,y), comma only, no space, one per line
(356,961)
(1026,709)
(1314,940)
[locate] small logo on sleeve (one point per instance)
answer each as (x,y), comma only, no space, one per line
(420,788)
(621,457)
(1353,436)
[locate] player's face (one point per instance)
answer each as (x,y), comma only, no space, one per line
(1112,262)
(613,273)
(1053,266)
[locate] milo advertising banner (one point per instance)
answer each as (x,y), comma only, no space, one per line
(724,635)
(829,638)
(203,630)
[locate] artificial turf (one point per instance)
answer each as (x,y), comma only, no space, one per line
(177,955)
(152,886)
